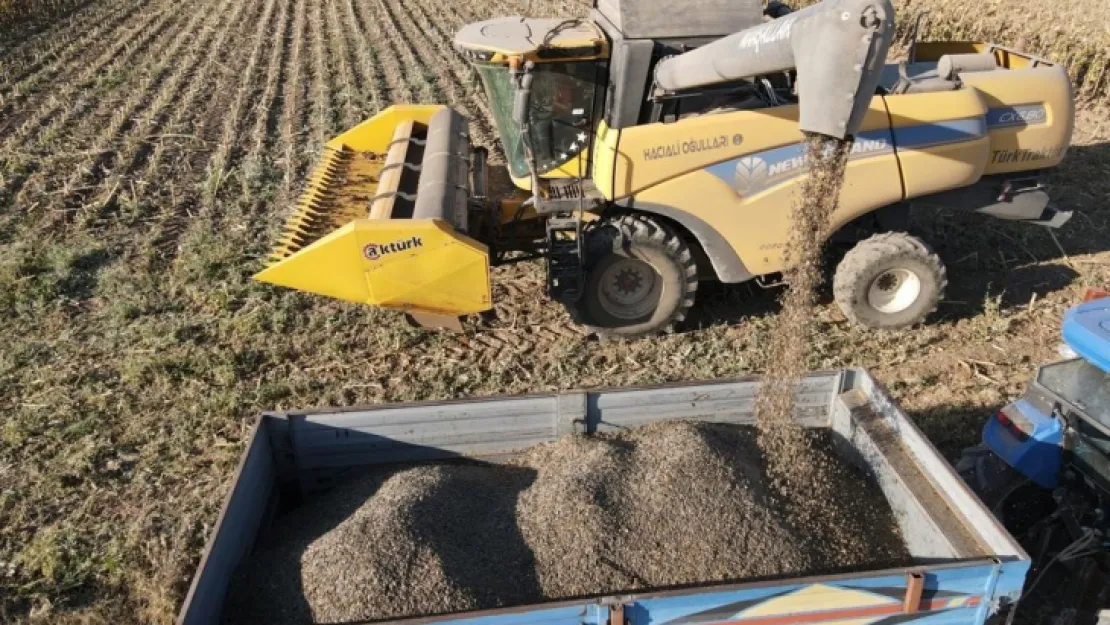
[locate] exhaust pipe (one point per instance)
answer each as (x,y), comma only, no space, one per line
(838,48)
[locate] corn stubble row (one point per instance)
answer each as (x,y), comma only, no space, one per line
(12,11)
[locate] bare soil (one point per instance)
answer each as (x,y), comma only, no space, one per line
(665,505)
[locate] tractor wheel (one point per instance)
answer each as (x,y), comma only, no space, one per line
(889,282)
(640,279)
(989,477)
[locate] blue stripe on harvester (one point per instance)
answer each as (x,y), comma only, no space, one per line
(759,171)
(940,133)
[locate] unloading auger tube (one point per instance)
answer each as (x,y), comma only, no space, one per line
(838,48)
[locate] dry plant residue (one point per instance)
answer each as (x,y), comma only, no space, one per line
(666,504)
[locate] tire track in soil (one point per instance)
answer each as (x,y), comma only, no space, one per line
(201,55)
(203,170)
(523,320)
(60,59)
(63,114)
(458,74)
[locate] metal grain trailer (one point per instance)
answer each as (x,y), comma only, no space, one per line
(966,568)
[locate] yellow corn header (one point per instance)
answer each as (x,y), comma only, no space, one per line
(383,220)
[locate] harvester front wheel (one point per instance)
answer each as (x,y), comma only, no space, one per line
(889,282)
(641,279)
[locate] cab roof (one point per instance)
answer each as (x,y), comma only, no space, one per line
(532,39)
(1087,332)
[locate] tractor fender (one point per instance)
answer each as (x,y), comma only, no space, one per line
(726,264)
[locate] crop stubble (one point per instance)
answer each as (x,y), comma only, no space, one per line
(31,145)
(175,108)
(116,128)
(37,62)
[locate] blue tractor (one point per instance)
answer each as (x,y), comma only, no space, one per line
(1043,468)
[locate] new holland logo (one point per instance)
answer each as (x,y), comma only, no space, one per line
(751,173)
(375,251)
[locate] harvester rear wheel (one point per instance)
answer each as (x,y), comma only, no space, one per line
(641,279)
(889,282)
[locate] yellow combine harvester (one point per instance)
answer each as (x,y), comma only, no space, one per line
(654,147)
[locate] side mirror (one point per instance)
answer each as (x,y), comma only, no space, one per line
(522,97)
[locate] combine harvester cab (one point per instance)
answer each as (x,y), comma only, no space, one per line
(385,216)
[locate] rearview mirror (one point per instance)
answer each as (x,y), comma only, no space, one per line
(522,98)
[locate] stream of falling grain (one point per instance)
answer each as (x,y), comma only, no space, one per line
(801,474)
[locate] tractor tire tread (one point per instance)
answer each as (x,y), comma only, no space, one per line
(887,246)
(632,229)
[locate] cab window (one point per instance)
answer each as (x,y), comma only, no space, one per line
(563,103)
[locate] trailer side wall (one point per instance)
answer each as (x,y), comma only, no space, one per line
(299,453)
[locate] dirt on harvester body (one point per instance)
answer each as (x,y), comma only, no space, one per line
(667,504)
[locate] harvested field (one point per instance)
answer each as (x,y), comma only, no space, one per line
(667,504)
(149,153)
(23,18)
